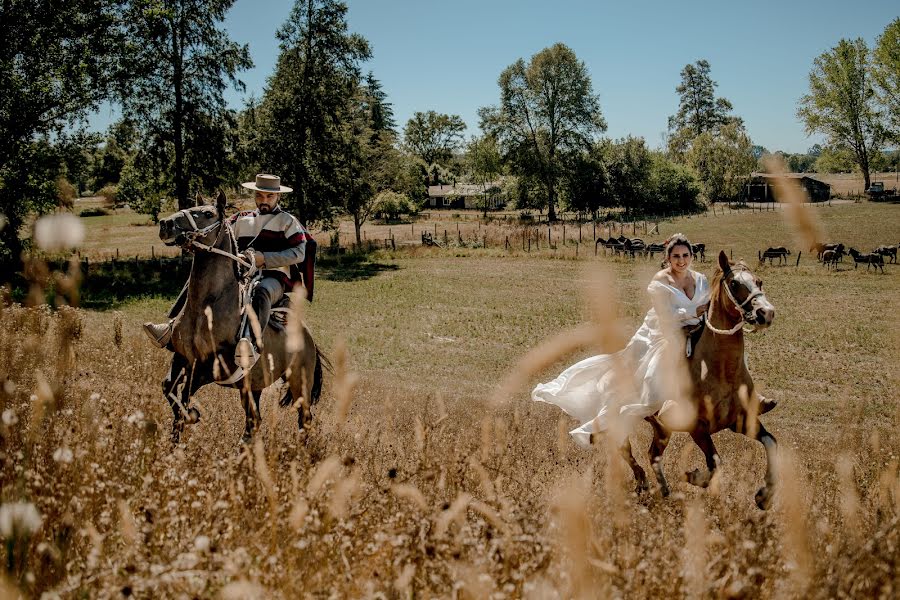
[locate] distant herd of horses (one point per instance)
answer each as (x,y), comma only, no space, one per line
(831,253)
(635,246)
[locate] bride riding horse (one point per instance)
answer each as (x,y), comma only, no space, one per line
(723,395)
(207,329)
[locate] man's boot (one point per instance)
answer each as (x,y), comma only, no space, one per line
(160,333)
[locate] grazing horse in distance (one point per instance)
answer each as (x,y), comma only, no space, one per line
(723,394)
(781,253)
(869,259)
(699,250)
(887,251)
(830,258)
(206,331)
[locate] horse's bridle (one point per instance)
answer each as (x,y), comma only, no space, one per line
(746,307)
(194,234)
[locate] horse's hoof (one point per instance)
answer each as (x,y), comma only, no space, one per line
(698,478)
(193,416)
(664,490)
(642,488)
(763,498)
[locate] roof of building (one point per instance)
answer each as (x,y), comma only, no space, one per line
(459,189)
(789,176)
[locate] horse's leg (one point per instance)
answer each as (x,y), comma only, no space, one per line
(698,477)
(661,439)
(173,387)
(250,401)
(639,474)
(765,493)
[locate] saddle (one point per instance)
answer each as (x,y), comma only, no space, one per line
(692,334)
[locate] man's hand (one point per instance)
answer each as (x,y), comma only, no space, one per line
(260,259)
(702,309)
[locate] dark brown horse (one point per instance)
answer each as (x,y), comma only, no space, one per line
(722,391)
(206,329)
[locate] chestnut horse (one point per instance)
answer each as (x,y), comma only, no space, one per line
(206,329)
(722,392)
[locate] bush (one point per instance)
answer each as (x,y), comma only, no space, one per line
(93,212)
(65,193)
(390,205)
(110,195)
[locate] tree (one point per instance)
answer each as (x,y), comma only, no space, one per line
(886,74)
(699,111)
(586,182)
(301,119)
(722,162)
(547,109)
(484,162)
(628,163)
(840,102)
(177,61)
(55,64)
(835,160)
(673,187)
(371,163)
(433,136)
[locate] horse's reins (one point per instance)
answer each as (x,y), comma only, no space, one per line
(740,306)
(198,232)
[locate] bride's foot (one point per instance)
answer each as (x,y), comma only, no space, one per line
(160,333)
(765,404)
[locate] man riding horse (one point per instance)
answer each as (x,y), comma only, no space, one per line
(272,240)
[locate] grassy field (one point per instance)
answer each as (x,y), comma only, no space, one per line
(430,489)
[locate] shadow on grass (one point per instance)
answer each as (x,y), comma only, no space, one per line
(107,285)
(350,267)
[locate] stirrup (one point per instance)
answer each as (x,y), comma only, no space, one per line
(159,333)
(245,354)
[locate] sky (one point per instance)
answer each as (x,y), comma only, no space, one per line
(446,56)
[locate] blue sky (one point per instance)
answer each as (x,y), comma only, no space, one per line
(446,56)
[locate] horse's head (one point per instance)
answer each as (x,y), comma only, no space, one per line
(743,290)
(195,224)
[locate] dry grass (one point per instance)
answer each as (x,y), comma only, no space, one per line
(419,486)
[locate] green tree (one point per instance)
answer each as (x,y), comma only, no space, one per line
(628,163)
(722,161)
(56,62)
(433,136)
(886,74)
(547,110)
(699,111)
(586,182)
(304,108)
(835,160)
(484,163)
(370,162)
(840,102)
(177,62)
(673,187)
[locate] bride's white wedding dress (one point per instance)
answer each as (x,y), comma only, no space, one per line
(588,391)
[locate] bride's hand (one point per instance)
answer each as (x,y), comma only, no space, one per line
(702,309)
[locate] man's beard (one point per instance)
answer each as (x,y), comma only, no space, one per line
(264,209)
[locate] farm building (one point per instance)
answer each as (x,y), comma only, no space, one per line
(759,189)
(464,195)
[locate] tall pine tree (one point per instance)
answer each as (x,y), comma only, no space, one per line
(305,106)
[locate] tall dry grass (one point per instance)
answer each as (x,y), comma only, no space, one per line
(398,493)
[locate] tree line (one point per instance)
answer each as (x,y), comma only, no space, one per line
(327,127)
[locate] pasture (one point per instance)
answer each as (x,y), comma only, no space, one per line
(429,488)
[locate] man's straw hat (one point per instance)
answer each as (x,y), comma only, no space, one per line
(267,183)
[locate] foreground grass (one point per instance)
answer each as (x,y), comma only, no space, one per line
(428,488)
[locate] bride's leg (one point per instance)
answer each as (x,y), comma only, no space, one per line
(661,439)
(639,474)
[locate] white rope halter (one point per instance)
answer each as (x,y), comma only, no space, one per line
(739,305)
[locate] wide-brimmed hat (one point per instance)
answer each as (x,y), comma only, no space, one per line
(267,183)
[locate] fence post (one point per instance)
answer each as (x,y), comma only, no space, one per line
(564,233)
(507,242)
(799,254)
(730,254)
(576,249)
(445,237)
(529,244)
(152,252)
(549,239)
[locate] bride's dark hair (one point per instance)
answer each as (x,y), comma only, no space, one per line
(677,239)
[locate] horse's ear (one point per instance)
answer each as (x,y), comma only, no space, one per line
(198,200)
(723,261)
(220,201)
